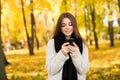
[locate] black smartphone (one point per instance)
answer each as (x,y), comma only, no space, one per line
(70,40)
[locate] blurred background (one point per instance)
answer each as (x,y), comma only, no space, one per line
(27,25)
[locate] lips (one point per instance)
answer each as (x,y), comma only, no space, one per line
(67,32)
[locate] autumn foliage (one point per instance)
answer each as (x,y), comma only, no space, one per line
(104,64)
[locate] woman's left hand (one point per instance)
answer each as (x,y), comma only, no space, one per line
(73,49)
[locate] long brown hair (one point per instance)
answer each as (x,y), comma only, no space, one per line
(74,24)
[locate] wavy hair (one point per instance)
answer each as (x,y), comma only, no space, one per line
(58,31)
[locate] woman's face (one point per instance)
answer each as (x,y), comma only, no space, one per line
(67,27)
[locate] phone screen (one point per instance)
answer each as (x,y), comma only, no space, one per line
(70,40)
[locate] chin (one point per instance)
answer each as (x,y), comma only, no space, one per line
(68,35)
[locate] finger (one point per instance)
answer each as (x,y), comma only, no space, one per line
(72,48)
(65,44)
(72,51)
(75,44)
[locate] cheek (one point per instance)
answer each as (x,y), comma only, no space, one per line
(69,29)
(72,29)
(62,29)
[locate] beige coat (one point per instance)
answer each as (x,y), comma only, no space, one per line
(55,62)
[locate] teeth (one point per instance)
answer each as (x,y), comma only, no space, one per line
(67,32)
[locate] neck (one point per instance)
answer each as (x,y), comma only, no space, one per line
(67,37)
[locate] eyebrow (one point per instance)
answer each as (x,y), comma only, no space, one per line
(68,22)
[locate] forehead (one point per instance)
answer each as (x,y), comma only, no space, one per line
(66,20)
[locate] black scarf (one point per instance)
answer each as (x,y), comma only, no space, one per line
(69,70)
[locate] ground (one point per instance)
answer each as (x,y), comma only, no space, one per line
(104,63)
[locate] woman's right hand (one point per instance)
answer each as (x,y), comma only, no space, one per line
(64,48)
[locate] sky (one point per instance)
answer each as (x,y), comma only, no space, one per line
(115,23)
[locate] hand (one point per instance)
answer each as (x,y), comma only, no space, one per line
(64,48)
(73,49)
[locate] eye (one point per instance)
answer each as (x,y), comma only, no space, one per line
(70,24)
(63,24)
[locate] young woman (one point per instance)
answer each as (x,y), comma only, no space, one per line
(65,61)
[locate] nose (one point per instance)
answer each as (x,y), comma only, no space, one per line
(67,26)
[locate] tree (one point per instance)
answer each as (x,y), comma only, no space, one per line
(2,59)
(30,39)
(27,35)
(119,16)
(31,46)
(110,26)
(46,28)
(94,24)
(87,24)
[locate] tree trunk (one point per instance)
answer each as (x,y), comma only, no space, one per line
(2,58)
(5,59)
(32,30)
(2,66)
(94,27)
(47,29)
(110,27)
(119,25)
(111,33)
(87,25)
(30,40)
(90,34)
(37,42)
(119,17)
(27,35)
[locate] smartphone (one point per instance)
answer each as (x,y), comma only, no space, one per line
(70,40)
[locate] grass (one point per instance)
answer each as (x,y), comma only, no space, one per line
(25,67)
(104,63)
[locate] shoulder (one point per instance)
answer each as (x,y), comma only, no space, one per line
(50,45)
(84,45)
(50,42)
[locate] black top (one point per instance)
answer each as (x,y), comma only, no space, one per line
(69,70)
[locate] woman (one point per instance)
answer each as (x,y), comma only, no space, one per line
(65,61)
